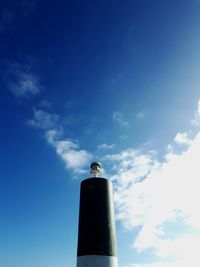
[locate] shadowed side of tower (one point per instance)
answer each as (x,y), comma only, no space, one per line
(97,245)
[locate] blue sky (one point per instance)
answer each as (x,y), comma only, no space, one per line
(114,81)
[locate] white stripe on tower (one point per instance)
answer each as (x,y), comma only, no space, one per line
(97,261)
(96,236)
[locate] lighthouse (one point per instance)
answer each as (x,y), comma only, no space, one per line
(97,246)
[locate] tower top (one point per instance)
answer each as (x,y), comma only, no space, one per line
(95,169)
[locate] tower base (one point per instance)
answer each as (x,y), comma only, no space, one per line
(97,261)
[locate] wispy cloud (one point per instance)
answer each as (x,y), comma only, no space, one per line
(158,195)
(74,158)
(182,139)
(196,120)
(165,264)
(119,119)
(43,120)
(68,150)
(158,264)
(106,146)
(45,104)
(140,115)
(21,80)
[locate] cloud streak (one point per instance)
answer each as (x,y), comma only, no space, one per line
(21,81)
(182,139)
(74,158)
(106,146)
(68,150)
(119,119)
(196,119)
(43,120)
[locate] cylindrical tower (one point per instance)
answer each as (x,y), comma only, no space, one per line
(97,245)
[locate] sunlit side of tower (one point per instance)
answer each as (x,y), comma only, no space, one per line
(97,246)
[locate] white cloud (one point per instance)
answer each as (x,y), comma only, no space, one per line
(159,196)
(196,120)
(119,119)
(186,248)
(130,167)
(182,139)
(158,264)
(43,120)
(69,152)
(21,81)
(162,264)
(106,146)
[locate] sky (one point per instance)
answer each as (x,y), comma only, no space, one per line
(112,81)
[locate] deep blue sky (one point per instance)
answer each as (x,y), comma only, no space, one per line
(101,72)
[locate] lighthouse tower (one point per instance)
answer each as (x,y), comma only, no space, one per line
(97,245)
